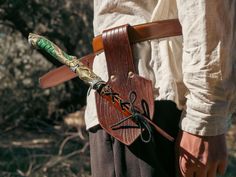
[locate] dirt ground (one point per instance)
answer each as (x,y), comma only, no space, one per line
(61,151)
(47,152)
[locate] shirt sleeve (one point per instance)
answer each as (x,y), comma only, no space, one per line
(207,64)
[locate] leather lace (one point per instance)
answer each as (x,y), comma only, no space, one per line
(138,117)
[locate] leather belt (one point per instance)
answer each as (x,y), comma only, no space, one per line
(146,31)
(137,33)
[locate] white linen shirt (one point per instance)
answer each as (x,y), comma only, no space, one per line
(197,70)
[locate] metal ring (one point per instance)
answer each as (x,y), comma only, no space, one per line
(73,68)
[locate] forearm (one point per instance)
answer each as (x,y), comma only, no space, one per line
(207,64)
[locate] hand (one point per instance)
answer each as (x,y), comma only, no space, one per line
(201,156)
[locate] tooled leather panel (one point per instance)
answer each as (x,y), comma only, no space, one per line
(123,79)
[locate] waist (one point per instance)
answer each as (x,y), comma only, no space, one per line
(146,31)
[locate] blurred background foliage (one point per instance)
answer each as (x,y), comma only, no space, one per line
(67,23)
(42,131)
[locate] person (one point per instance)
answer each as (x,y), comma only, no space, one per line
(194,88)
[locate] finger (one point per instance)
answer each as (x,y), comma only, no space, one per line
(222,167)
(212,170)
(185,167)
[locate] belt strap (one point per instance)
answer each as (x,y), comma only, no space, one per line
(146,31)
(138,33)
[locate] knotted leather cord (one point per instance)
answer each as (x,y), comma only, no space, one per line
(107,91)
(136,116)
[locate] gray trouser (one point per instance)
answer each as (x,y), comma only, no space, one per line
(110,158)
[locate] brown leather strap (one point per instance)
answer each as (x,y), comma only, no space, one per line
(118,51)
(138,33)
(146,31)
